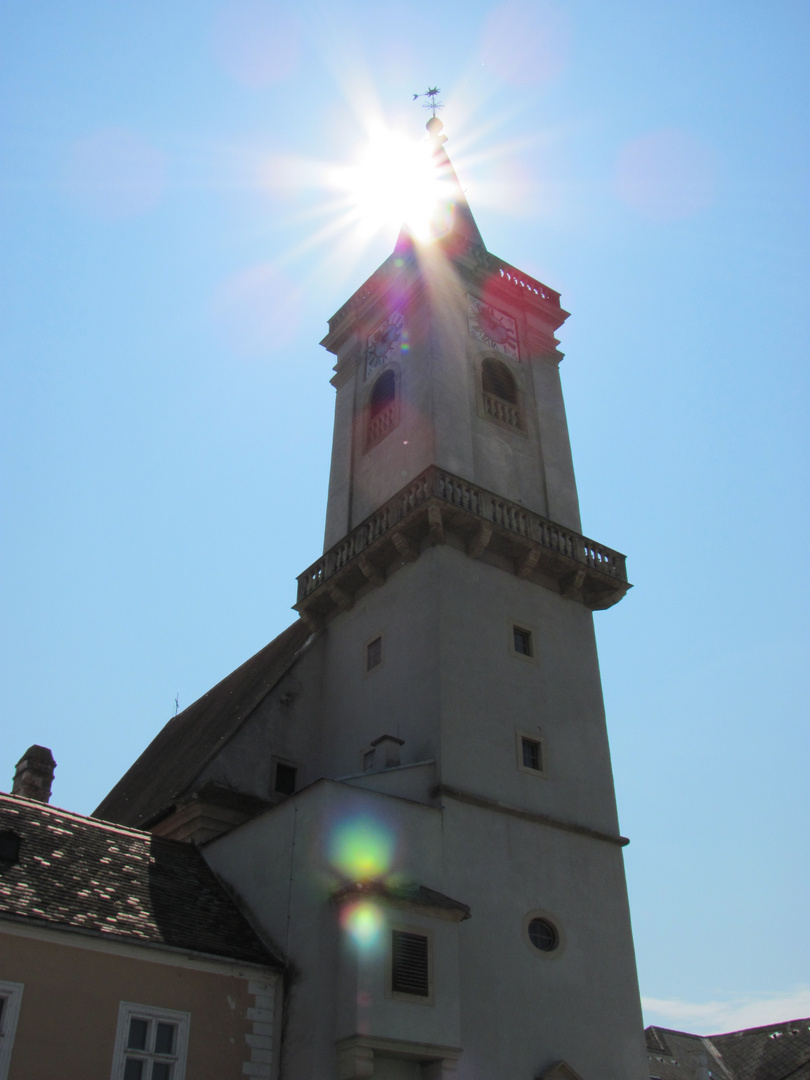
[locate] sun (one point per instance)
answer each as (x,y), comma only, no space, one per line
(395,182)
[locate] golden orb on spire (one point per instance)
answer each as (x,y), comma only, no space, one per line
(434,127)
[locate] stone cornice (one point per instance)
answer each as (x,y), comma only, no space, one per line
(444,791)
(438,507)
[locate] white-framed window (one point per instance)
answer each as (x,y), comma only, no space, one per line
(10,998)
(150,1043)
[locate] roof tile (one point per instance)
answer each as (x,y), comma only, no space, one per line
(122,882)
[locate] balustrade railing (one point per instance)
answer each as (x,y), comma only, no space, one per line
(381,424)
(436,483)
(502,410)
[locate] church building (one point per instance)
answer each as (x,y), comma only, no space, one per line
(409,792)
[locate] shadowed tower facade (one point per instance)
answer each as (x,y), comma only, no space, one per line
(411,790)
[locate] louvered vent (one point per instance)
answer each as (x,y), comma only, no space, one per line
(409,963)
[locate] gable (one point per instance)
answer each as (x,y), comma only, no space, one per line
(168,767)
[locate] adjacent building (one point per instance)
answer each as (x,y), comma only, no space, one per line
(773,1052)
(122,956)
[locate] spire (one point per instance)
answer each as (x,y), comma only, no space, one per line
(455,226)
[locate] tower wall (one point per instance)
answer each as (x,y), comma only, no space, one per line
(431,307)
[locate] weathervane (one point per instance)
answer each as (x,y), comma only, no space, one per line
(433,104)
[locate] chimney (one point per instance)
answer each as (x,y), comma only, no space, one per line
(34,774)
(389,750)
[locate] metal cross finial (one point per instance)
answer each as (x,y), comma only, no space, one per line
(431,93)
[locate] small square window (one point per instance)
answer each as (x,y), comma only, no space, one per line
(285,778)
(532,754)
(374,653)
(522,641)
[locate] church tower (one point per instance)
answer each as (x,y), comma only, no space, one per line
(410,789)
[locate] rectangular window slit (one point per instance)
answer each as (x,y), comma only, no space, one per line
(532,756)
(285,778)
(373,653)
(522,641)
(409,963)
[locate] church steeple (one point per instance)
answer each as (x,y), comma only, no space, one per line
(454,222)
(447,374)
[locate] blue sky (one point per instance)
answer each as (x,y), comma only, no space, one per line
(172,246)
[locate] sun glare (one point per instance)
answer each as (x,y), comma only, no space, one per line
(396,182)
(364,922)
(361,848)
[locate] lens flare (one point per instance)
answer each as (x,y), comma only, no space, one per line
(363,921)
(396,182)
(361,849)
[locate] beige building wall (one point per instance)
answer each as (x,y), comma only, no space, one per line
(69,1012)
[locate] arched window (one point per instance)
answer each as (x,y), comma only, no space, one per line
(497,379)
(382,407)
(500,394)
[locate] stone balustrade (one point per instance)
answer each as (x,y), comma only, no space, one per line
(528,538)
(503,411)
(381,424)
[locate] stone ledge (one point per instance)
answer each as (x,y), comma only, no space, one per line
(438,507)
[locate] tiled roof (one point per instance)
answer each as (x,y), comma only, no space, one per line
(678,1055)
(775,1052)
(78,873)
(167,768)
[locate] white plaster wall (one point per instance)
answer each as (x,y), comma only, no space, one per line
(552,425)
(372,1010)
(518,1011)
(450,688)
(382,470)
(280,868)
(439,421)
(401,696)
(488,692)
(340,473)
(415,782)
(523,1010)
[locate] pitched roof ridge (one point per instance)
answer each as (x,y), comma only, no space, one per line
(253,700)
(150,785)
(676,1031)
(761,1027)
(73,815)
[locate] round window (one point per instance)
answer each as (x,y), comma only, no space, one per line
(543,935)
